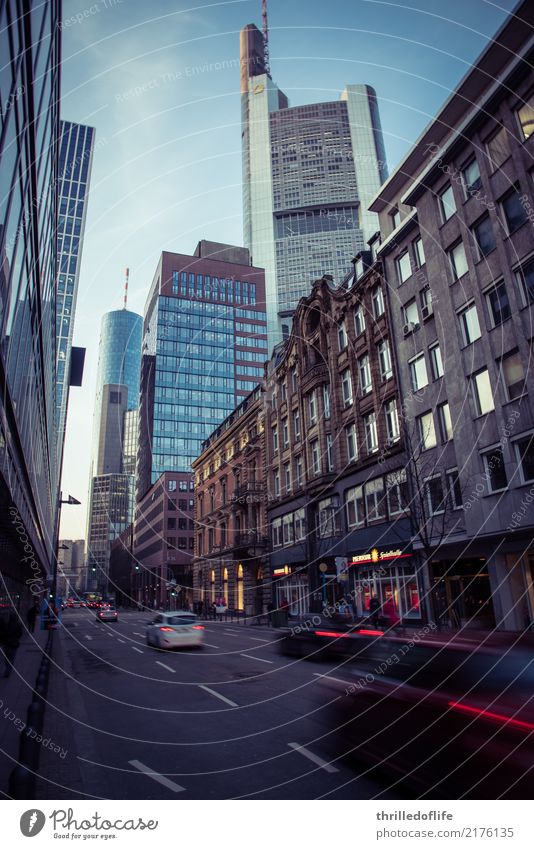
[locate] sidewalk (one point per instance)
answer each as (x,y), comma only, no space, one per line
(16,693)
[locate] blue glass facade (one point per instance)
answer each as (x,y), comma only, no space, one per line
(75,160)
(29,133)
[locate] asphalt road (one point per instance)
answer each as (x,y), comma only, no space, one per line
(235,719)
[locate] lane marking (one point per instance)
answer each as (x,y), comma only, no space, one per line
(121,641)
(136,649)
(231,634)
(88,637)
(165,666)
(137,634)
(331,678)
(312,757)
(210,645)
(261,659)
(161,779)
(259,639)
(219,696)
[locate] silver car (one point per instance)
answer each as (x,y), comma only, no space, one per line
(175,629)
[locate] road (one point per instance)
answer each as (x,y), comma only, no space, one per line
(235,719)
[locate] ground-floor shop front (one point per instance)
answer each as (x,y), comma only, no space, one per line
(237,585)
(387,580)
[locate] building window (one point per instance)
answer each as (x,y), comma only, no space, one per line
(494,469)
(287,476)
(411,316)
(283,392)
(469,326)
(384,359)
(445,422)
(497,149)
(329,453)
(418,372)
(171,486)
(525,116)
(326,401)
(471,178)
(427,432)
(239,588)
(277,532)
(514,211)
(287,529)
(524,451)
(296,425)
(375,502)
(299,471)
(352,445)
(294,380)
(392,421)
(355,507)
(312,407)
(397,492)
(498,304)
(435,495)
(275,439)
(513,375)
(342,338)
(300,524)
(364,371)
(447,206)
(425,297)
(371,432)
(484,236)
(395,218)
(404,268)
(457,260)
(223,535)
(525,280)
(418,252)
(378,301)
(315,457)
(327,517)
(482,393)
(436,363)
(359,320)
(285,432)
(346,387)
(276,482)
(454,489)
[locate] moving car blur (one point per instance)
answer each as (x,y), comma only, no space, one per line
(106,613)
(175,629)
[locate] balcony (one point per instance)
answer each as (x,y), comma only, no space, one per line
(251,492)
(250,539)
(315,376)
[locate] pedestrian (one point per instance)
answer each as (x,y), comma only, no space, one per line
(31,616)
(11,637)
(374,610)
(270,610)
(390,613)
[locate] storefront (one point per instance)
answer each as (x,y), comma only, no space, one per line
(461,593)
(293,588)
(385,575)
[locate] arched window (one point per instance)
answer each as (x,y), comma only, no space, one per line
(212,586)
(225,585)
(259,573)
(239,588)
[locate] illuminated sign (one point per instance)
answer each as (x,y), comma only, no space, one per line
(376,556)
(283,570)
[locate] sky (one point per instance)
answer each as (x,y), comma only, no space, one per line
(160,83)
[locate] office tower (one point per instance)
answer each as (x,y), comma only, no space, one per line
(29,134)
(71,572)
(204,346)
(112,488)
(309,173)
(75,161)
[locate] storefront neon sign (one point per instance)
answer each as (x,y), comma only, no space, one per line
(376,556)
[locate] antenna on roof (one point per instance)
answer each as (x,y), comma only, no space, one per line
(265,30)
(126,278)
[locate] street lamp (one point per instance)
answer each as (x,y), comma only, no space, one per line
(61,501)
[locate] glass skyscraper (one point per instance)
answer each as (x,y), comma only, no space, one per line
(75,161)
(112,488)
(309,173)
(29,135)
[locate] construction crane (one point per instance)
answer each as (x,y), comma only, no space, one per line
(265,30)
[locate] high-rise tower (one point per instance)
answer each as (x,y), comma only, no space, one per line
(309,173)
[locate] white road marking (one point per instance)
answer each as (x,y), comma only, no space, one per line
(219,696)
(231,634)
(136,649)
(87,637)
(259,639)
(331,678)
(121,641)
(165,666)
(137,634)
(314,758)
(261,659)
(161,779)
(210,645)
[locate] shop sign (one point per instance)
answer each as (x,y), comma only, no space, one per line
(376,556)
(283,570)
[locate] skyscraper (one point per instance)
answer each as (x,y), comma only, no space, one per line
(204,346)
(29,134)
(112,488)
(309,173)
(75,162)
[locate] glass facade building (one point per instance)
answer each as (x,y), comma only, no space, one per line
(112,488)
(29,136)
(309,173)
(75,161)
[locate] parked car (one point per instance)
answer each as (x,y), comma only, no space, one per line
(175,629)
(107,614)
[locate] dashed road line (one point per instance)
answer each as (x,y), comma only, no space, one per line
(137,634)
(261,659)
(136,649)
(165,666)
(161,779)
(87,637)
(218,695)
(312,757)
(121,641)
(210,645)
(331,678)
(259,640)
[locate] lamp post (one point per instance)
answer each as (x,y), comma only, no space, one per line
(61,501)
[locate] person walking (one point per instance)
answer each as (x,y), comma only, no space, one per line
(31,616)
(374,610)
(12,635)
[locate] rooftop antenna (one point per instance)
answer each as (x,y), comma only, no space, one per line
(265,30)
(126,278)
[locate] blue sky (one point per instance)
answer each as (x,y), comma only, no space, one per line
(160,82)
